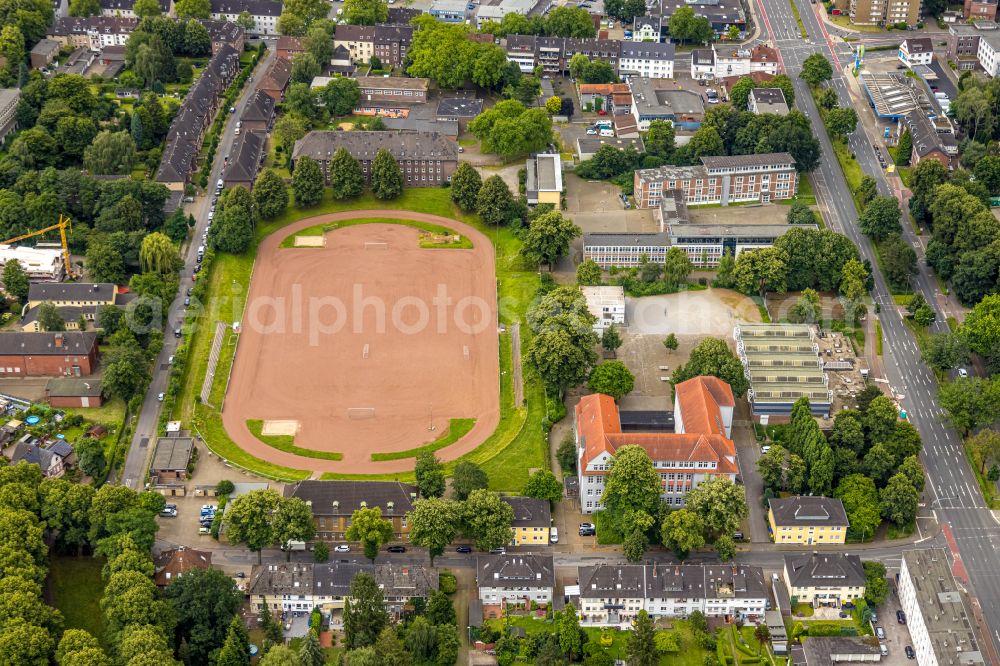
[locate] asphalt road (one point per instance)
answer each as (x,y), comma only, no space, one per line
(952,490)
(133,473)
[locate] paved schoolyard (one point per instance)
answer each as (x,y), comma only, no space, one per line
(708,312)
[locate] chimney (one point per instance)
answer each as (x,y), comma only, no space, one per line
(59,339)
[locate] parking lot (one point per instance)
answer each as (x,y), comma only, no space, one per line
(897,636)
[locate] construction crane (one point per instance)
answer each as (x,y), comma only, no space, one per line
(61,226)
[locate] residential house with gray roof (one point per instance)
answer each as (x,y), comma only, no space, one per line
(333,503)
(514,578)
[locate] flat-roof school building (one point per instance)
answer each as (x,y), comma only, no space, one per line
(782,363)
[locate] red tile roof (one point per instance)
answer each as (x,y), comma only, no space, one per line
(699,399)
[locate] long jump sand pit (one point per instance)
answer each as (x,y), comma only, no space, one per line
(368,344)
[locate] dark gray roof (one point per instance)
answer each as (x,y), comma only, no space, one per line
(172,454)
(342,498)
(247,156)
(45,344)
(403,14)
(364,145)
(634,239)
(126,5)
(81,25)
(223,31)
(768,95)
(67,313)
(925,137)
(255,7)
(405,581)
(73,387)
(45,47)
(259,108)
(177,162)
(71,291)
(388,34)
(61,448)
(354,33)
(459,107)
(270,579)
(703,56)
(732,161)
(334,579)
(277,75)
(32,454)
(619,581)
(824,570)
(515,569)
(808,511)
(723,581)
(919,45)
(669,581)
(823,650)
(647,50)
(529,512)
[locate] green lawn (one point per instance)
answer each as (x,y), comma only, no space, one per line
(457,428)
(75,587)
(286,443)
(690,654)
(461,243)
(518,444)
(110,414)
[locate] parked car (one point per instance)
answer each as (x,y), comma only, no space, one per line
(169,512)
(159,397)
(499,551)
(765,448)
(910,654)
(963,373)
(554,534)
(204,530)
(396,549)
(880,633)
(591,131)
(463,549)
(900,617)
(342,548)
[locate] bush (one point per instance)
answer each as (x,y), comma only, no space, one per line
(447,582)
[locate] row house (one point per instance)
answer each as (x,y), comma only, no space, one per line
(301,587)
(427,159)
(700,447)
(962,45)
(334,502)
(613,595)
(554,53)
(720,180)
(388,43)
(225,33)
(514,578)
(92,32)
(721,14)
(258,114)
(651,60)
(125,8)
(390,96)
(825,579)
(722,61)
(192,120)
(264,13)
(276,78)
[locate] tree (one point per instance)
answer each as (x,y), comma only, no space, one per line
(434,523)
(641,649)
(468,476)
(15,280)
(914,471)
(904,149)
(279,655)
(706,141)
(205,602)
(366,12)
(880,218)
(387,179)
(421,639)
(465,185)
(566,455)
(816,69)
(310,651)
(899,261)
(562,357)
(986,448)
(49,318)
(631,485)
(761,270)
(494,203)
(249,520)
(876,586)
(970,403)
(800,213)
(943,351)
(90,456)
(610,340)
(440,610)
(553,105)
(125,373)
(660,139)
(682,531)
(544,485)
(307,183)
(144,8)
(487,520)
(509,129)
(842,121)
(720,503)
(288,129)
(867,191)
(725,547)
(676,267)
(569,22)
(159,254)
(321,552)
(26,644)
(713,357)
(270,195)
(625,10)
(860,499)
(670,342)
(611,378)
(110,153)
(370,529)
(346,178)
(807,308)
(193,9)
(899,501)
(568,630)
(739,94)
(429,475)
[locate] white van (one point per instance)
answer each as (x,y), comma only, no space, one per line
(554,534)
(606,131)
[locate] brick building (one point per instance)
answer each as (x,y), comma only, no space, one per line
(720,180)
(390,96)
(333,503)
(47,354)
(426,159)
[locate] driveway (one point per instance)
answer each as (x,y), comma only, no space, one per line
(897,636)
(747,455)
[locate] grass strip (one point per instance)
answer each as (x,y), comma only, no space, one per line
(463,243)
(798,19)
(457,429)
(986,487)
(208,425)
(878,338)
(286,443)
